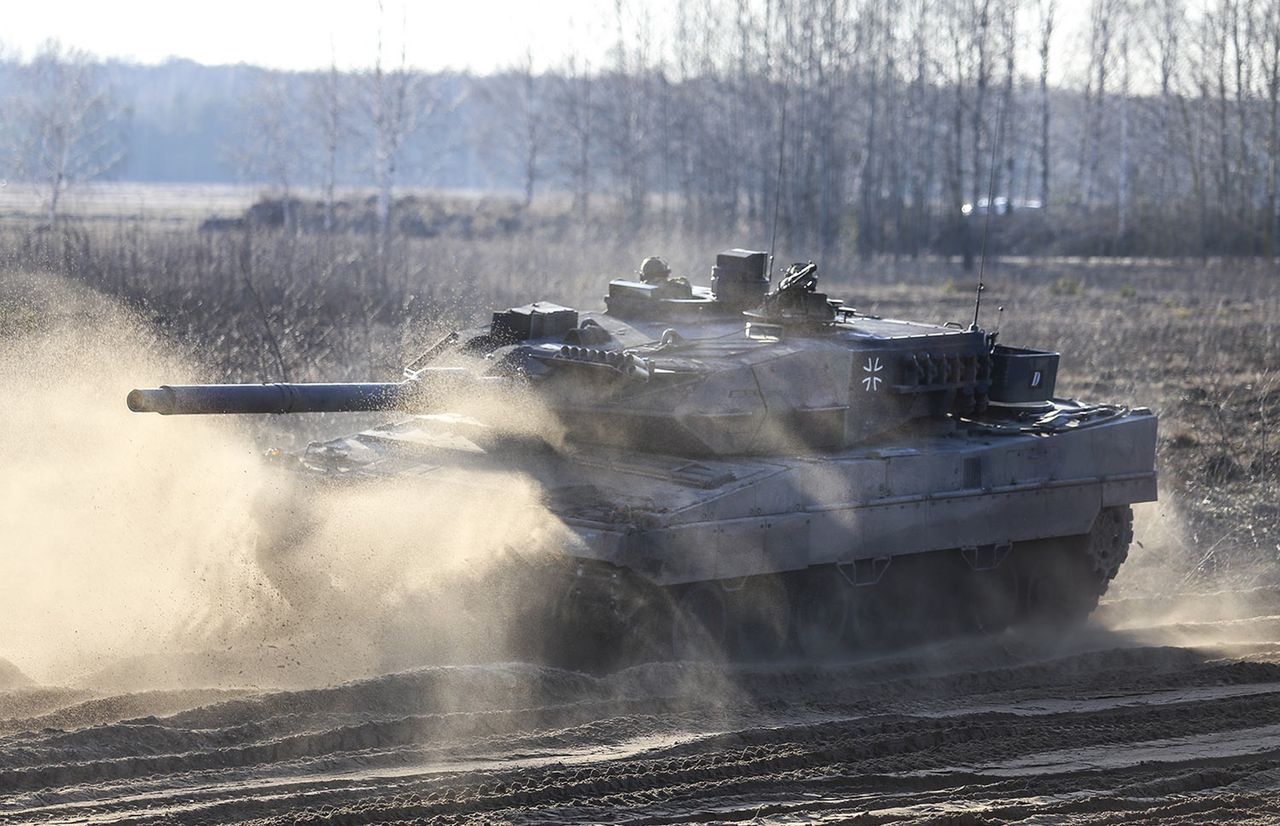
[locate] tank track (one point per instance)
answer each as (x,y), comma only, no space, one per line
(1109,543)
(826,611)
(598,617)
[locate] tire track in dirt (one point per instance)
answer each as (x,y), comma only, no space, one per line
(765,761)
(1100,728)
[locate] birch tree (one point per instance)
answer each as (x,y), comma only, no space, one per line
(328,111)
(395,100)
(1102,14)
(1048,11)
(68,125)
(511,131)
(1271,71)
(271,147)
(575,106)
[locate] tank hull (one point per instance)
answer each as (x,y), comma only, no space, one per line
(891,501)
(967,514)
(675,520)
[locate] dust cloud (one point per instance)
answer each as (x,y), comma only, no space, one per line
(1157,561)
(1166,594)
(142,551)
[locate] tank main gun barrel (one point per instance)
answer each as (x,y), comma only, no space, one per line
(428,388)
(177,399)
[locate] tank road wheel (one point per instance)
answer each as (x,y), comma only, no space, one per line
(646,625)
(606,618)
(1063,578)
(917,599)
(1109,542)
(759,618)
(988,597)
(822,612)
(995,598)
(698,623)
(1057,581)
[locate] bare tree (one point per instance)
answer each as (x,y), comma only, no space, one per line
(1222,23)
(627,109)
(531,123)
(68,124)
(1007,111)
(873,46)
(1102,17)
(957,37)
(1122,189)
(575,105)
(271,144)
(8,160)
(897,116)
(981,45)
(327,109)
(393,101)
(1271,69)
(1242,45)
(1166,38)
(1195,130)
(1048,10)
(923,97)
(511,133)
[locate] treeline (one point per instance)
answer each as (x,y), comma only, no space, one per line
(869,125)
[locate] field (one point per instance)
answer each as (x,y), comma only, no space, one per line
(154,679)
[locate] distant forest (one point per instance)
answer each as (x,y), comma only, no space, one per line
(870,125)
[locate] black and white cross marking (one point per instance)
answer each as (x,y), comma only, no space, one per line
(871,368)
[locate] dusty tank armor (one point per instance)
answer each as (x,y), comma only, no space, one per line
(760,469)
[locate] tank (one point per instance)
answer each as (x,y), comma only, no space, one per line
(761,469)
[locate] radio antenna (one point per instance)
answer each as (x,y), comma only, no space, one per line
(986,224)
(777,184)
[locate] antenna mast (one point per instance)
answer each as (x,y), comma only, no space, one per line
(986,224)
(777,184)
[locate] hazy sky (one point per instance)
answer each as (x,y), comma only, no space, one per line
(480,35)
(303,34)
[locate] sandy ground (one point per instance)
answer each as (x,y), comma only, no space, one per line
(1127,720)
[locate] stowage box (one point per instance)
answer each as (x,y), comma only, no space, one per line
(1020,375)
(541,319)
(740,277)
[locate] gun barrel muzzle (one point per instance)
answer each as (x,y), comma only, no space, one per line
(150,400)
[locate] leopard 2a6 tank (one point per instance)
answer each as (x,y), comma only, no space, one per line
(762,469)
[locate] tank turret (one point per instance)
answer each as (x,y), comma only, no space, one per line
(688,371)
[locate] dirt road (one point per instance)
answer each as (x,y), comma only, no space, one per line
(1142,720)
